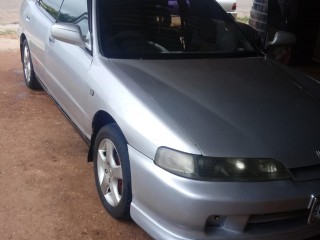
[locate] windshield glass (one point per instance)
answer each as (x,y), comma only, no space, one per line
(163,28)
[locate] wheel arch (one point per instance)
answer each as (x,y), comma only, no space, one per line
(100,119)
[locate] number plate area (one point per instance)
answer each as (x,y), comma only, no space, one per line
(314,207)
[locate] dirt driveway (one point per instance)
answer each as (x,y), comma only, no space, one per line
(47,189)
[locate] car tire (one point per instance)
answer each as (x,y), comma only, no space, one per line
(112,171)
(28,71)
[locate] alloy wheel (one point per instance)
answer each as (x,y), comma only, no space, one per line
(27,64)
(109,172)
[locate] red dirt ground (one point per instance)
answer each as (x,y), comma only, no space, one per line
(47,188)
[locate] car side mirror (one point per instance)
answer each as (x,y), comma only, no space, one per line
(282,39)
(68,33)
(280,47)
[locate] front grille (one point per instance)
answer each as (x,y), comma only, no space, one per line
(306,173)
(281,223)
(279,217)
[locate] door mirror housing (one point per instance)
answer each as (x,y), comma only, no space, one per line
(68,33)
(280,47)
(282,39)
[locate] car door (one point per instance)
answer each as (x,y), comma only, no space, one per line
(67,66)
(37,20)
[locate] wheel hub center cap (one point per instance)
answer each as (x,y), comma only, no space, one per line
(108,171)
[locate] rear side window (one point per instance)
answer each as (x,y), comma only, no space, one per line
(76,12)
(51,6)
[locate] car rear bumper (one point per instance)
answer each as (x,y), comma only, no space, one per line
(234,14)
(170,207)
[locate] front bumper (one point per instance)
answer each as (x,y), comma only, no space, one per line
(171,207)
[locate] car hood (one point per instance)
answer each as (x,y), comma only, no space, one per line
(235,107)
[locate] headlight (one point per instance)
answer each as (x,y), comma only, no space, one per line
(220,169)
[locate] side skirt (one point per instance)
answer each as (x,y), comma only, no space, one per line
(82,135)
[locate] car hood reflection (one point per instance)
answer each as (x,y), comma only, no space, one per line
(240,107)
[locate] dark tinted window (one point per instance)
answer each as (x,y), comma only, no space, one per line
(75,11)
(145,28)
(51,6)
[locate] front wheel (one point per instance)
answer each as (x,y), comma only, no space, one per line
(112,171)
(28,72)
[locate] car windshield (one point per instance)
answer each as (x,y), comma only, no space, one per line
(168,28)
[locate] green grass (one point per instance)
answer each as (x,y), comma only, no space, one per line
(244,19)
(8,32)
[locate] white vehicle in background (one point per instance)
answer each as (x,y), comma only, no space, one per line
(230,6)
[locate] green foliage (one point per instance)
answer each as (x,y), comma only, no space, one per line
(244,19)
(50,10)
(8,32)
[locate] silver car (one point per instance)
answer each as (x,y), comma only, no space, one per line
(192,131)
(230,6)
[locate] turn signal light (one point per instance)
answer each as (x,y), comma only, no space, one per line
(234,6)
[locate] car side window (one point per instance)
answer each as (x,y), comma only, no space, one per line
(76,12)
(51,6)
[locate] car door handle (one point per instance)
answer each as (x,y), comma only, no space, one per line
(28,18)
(51,40)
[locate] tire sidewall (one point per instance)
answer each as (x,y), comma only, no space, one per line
(112,132)
(33,82)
